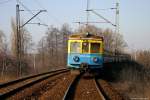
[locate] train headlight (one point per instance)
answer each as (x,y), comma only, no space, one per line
(95,59)
(76,58)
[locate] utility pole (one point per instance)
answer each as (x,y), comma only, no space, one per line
(18,40)
(19,48)
(99,15)
(43,53)
(87,12)
(117,17)
(34,62)
(57,61)
(117,31)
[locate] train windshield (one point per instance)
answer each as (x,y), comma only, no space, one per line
(75,47)
(95,48)
(85,47)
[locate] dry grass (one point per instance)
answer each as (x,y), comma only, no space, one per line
(132,79)
(6,78)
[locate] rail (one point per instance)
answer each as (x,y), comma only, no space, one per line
(12,87)
(27,77)
(71,87)
(70,92)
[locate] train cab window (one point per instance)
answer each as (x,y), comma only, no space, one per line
(75,47)
(95,48)
(85,47)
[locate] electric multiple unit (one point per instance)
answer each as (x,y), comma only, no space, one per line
(85,51)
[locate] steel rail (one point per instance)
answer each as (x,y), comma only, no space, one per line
(71,87)
(98,89)
(108,91)
(14,91)
(27,77)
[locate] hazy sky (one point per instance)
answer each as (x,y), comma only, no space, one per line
(134,17)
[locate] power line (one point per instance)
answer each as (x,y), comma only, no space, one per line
(38,3)
(105,9)
(27,9)
(93,11)
(90,22)
(103,17)
(20,50)
(6,1)
(33,17)
(48,13)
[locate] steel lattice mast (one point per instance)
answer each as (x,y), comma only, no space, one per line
(87,11)
(117,30)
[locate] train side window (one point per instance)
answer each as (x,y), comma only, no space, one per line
(85,47)
(95,47)
(75,47)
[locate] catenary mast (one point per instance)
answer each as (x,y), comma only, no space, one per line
(117,17)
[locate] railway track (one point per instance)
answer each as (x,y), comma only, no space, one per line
(108,91)
(58,85)
(83,88)
(13,87)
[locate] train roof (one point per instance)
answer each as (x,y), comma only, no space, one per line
(85,36)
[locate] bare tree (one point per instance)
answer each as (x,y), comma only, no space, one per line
(53,51)
(143,57)
(13,38)
(53,46)
(90,28)
(26,41)
(3,50)
(112,41)
(52,43)
(119,43)
(108,39)
(41,54)
(64,31)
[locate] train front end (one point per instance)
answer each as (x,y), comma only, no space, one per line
(85,52)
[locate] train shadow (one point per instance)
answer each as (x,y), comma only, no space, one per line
(112,71)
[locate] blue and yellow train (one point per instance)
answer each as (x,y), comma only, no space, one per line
(85,51)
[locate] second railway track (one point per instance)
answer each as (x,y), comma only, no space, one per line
(10,89)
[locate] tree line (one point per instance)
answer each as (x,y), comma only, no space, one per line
(51,48)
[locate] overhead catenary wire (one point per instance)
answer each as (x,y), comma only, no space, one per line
(105,9)
(32,18)
(5,1)
(39,4)
(103,17)
(90,22)
(48,13)
(27,9)
(99,15)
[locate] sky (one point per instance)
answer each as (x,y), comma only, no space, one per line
(134,17)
